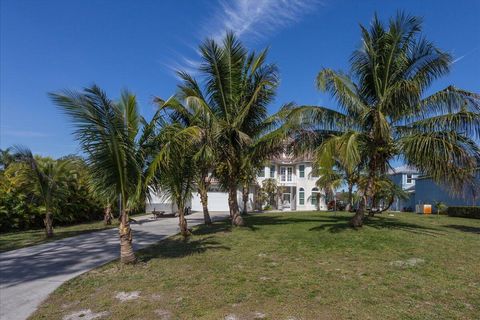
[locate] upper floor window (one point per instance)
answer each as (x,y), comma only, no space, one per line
(272,171)
(409,178)
(261,172)
(301,197)
(286,174)
(301,171)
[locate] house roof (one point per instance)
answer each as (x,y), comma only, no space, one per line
(403,169)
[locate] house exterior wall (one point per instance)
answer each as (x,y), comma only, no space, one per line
(297,183)
(218,200)
(428,192)
(407,182)
(425,191)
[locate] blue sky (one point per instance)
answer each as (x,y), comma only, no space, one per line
(51,45)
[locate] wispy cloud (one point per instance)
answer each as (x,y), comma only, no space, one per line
(252,19)
(258,18)
(23,133)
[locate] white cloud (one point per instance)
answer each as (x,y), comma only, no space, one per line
(258,18)
(24,133)
(253,19)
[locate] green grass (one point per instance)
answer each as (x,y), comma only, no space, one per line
(293,266)
(20,239)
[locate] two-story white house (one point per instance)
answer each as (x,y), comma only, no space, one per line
(296,189)
(296,182)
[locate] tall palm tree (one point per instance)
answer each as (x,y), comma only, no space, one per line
(113,137)
(46,180)
(386,108)
(234,93)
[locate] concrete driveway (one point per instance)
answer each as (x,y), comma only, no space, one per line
(29,275)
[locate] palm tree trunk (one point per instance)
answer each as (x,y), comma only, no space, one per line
(245,198)
(350,198)
(237,219)
(182,223)
(357,219)
(204,200)
(107,215)
(126,249)
(48,221)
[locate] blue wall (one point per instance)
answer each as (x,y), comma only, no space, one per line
(427,191)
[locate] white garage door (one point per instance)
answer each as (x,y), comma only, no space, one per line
(217,201)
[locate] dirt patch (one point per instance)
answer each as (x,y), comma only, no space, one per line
(86,314)
(412,262)
(231,317)
(259,315)
(163,314)
(127,296)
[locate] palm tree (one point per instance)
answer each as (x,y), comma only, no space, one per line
(46,180)
(234,93)
(175,168)
(385,109)
(204,151)
(111,137)
(384,192)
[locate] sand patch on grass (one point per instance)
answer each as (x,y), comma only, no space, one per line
(86,314)
(127,296)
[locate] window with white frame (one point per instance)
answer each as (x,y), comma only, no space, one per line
(314,197)
(272,171)
(289,174)
(286,174)
(301,171)
(409,178)
(301,197)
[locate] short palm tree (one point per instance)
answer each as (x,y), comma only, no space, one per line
(46,180)
(204,151)
(174,167)
(111,137)
(387,112)
(235,91)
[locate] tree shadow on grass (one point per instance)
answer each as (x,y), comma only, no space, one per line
(341,223)
(253,222)
(216,227)
(336,223)
(464,228)
(178,247)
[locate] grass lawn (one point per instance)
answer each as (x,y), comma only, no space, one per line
(292,266)
(20,239)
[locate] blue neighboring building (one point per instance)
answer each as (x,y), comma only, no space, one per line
(429,192)
(404,177)
(424,190)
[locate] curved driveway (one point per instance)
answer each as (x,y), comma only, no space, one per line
(29,275)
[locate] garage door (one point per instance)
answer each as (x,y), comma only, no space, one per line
(217,201)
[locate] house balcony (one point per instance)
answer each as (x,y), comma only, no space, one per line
(286,180)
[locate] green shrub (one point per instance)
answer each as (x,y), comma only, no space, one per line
(464,212)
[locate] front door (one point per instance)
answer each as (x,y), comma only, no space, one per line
(286,201)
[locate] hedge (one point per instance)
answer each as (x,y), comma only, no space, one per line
(464,212)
